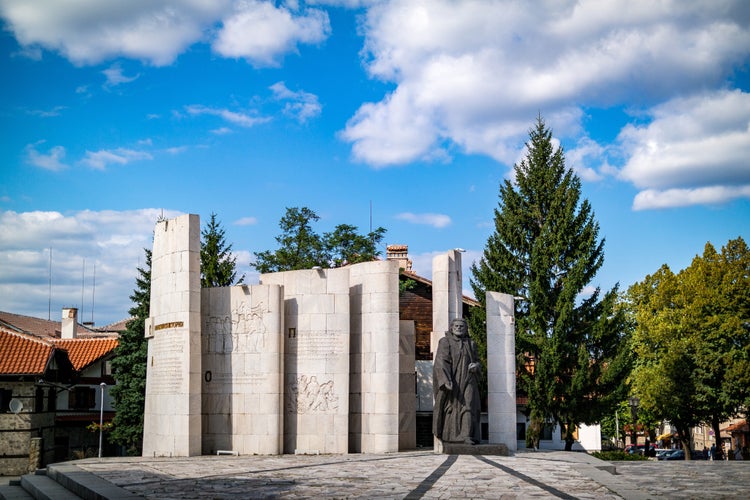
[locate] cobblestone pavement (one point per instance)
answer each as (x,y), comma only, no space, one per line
(420,474)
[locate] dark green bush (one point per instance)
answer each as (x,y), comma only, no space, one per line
(614,456)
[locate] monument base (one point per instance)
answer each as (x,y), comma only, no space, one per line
(475,449)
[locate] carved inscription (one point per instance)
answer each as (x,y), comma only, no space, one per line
(319,344)
(307,395)
(173,324)
(242,331)
(167,367)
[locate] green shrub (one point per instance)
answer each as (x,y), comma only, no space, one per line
(614,456)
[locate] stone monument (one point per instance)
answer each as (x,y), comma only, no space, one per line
(307,361)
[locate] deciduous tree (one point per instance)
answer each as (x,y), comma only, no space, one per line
(692,339)
(300,247)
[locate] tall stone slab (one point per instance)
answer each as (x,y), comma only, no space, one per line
(243,346)
(172,416)
(447,294)
(316,359)
(501,369)
(407,400)
(374,408)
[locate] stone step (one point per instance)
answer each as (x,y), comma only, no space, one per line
(41,487)
(85,484)
(14,492)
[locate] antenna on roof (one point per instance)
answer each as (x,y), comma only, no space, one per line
(93,293)
(49,303)
(83,276)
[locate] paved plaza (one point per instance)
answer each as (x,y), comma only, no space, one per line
(420,474)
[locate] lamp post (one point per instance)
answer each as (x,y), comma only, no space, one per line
(101,417)
(634,402)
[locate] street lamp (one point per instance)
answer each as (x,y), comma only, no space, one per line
(101,418)
(634,402)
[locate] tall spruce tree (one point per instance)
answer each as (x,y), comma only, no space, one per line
(218,266)
(572,353)
(129,367)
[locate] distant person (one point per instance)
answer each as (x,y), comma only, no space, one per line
(712,452)
(455,380)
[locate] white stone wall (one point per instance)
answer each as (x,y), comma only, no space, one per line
(242,359)
(316,359)
(172,417)
(501,369)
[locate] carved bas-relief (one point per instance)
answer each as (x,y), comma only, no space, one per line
(306,395)
(242,330)
(456,371)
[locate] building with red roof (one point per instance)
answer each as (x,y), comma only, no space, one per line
(50,389)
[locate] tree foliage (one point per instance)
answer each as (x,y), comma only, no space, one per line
(572,352)
(218,265)
(692,339)
(129,367)
(300,247)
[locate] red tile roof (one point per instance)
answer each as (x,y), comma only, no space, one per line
(83,352)
(23,354)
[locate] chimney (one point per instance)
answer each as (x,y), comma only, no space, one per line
(401,254)
(69,329)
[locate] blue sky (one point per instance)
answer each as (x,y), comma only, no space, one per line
(116,112)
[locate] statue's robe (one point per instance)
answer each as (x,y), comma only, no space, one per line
(456,412)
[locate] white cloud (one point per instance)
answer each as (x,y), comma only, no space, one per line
(246,221)
(261,32)
(221,131)
(121,156)
(428,219)
(475,74)
(650,199)
(90,31)
(299,105)
(115,76)
(694,151)
(52,160)
(234,117)
(110,242)
(47,113)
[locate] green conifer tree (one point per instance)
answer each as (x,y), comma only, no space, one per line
(572,356)
(218,265)
(129,368)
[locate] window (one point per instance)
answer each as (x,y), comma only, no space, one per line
(82,398)
(5,396)
(546,434)
(520,431)
(51,399)
(39,400)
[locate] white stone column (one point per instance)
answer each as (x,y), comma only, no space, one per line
(375,336)
(447,294)
(501,369)
(172,416)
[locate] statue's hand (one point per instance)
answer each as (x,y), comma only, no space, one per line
(448,386)
(475,367)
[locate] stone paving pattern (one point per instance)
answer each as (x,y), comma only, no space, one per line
(420,474)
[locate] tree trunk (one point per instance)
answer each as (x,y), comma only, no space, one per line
(569,439)
(717,436)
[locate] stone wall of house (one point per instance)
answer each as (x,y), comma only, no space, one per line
(17,431)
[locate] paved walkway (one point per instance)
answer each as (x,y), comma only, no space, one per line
(420,474)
